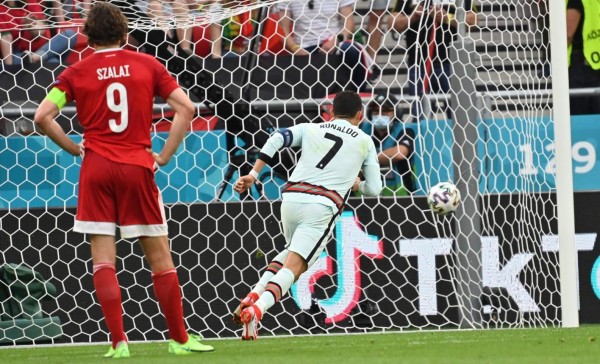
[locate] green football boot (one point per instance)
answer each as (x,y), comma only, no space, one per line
(193,345)
(121,351)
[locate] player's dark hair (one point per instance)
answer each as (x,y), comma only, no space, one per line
(347,104)
(105,25)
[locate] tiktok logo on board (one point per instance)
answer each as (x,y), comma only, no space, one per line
(351,242)
(496,271)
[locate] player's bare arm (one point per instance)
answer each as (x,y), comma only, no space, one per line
(184,112)
(372,185)
(273,144)
(45,119)
(356,184)
(245,182)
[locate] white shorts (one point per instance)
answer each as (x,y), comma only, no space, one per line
(307,227)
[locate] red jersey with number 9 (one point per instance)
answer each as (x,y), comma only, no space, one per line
(114,91)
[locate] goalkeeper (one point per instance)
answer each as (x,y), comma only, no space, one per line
(114,91)
(333,154)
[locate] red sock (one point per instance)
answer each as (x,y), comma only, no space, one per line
(109,297)
(168,294)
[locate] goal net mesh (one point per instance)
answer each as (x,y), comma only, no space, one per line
(391,264)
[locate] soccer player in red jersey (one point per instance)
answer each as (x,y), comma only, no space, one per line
(114,91)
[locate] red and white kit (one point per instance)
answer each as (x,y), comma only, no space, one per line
(117,175)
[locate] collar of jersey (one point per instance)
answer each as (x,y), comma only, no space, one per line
(108,50)
(344,121)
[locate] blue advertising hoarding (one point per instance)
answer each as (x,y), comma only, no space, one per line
(515,154)
(520,154)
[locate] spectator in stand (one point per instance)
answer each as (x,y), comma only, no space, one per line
(584,66)
(25,35)
(394,144)
(180,10)
(236,34)
(429,31)
(325,26)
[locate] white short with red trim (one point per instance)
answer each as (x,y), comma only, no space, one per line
(127,232)
(113,193)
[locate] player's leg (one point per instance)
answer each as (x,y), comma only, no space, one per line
(108,291)
(147,222)
(166,284)
(289,227)
(272,269)
(260,287)
(309,239)
(96,216)
(168,293)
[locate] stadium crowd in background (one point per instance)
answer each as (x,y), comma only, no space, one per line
(326,27)
(27,37)
(31,33)
(236,33)
(163,11)
(76,9)
(429,31)
(334,34)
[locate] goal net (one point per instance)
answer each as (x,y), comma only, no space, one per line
(471,91)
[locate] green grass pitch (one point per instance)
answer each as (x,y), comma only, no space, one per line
(546,346)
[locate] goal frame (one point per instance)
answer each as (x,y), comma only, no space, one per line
(564,171)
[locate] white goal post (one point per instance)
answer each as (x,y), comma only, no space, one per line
(564,174)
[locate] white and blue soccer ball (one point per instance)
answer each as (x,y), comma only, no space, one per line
(443,198)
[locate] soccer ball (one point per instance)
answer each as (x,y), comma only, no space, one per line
(443,198)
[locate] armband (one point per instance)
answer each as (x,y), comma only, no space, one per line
(449,18)
(57,97)
(288,137)
(254,174)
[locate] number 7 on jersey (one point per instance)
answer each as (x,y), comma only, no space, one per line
(337,144)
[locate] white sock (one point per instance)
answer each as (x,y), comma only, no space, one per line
(276,289)
(271,270)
